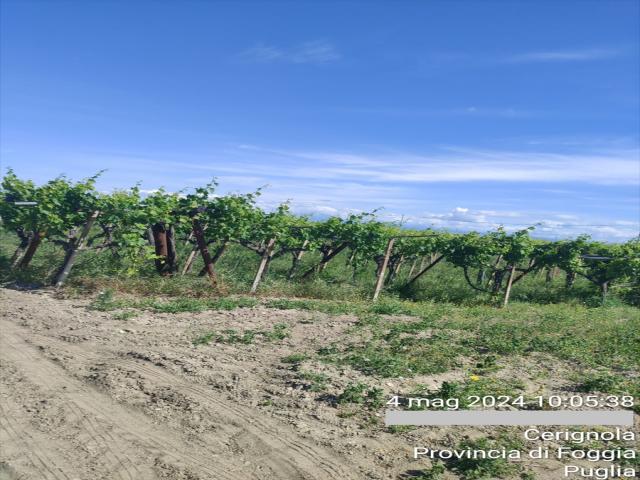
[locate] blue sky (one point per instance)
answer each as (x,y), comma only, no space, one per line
(459,114)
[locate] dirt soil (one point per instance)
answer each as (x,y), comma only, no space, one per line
(87,396)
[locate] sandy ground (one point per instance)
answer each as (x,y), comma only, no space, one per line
(86,396)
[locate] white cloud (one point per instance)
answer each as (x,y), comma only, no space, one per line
(553,55)
(465,111)
(547,225)
(314,52)
(262,53)
(453,164)
(388,178)
(318,51)
(321,209)
(564,55)
(494,112)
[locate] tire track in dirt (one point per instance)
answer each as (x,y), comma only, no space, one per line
(122,465)
(133,435)
(265,440)
(48,466)
(257,426)
(252,425)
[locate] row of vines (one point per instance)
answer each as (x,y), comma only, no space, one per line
(137,228)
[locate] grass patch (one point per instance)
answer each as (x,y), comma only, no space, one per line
(592,337)
(602,382)
(105,301)
(442,334)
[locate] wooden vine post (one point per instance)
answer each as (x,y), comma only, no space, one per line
(74,248)
(198,232)
(266,255)
(426,269)
(22,247)
(413,267)
(192,254)
(323,264)
(165,247)
(160,243)
(509,284)
(326,258)
(22,261)
(189,262)
(383,269)
(423,262)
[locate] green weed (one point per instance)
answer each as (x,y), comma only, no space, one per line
(487,468)
(401,356)
(317,381)
(295,358)
(279,332)
(246,337)
(361,394)
(204,339)
(104,302)
(436,472)
(124,315)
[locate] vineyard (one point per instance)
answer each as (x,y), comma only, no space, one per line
(127,234)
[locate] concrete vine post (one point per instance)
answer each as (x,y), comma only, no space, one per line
(297,257)
(192,254)
(172,253)
(189,262)
(413,267)
(266,255)
(383,269)
(507,292)
(72,254)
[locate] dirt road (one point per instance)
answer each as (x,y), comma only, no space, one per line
(86,397)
